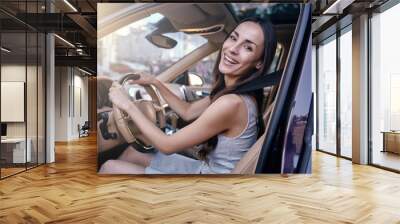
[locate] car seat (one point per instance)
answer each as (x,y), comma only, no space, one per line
(247,164)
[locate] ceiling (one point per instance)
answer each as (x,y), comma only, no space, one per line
(76,22)
(332,15)
(76,25)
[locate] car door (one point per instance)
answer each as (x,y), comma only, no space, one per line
(287,145)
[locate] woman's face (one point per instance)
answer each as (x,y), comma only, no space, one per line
(243,49)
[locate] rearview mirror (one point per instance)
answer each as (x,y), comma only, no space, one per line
(161,41)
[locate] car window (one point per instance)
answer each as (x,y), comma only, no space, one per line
(275,64)
(278,13)
(145,45)
(203,68)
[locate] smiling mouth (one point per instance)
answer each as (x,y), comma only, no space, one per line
(229,60)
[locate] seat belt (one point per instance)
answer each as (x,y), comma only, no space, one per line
(248,163)
(261,82)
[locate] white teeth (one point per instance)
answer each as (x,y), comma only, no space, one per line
(230,60)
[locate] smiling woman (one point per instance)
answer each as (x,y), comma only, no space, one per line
(229,121)
(242,50)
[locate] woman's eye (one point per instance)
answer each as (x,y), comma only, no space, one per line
(232,37)
(248,48)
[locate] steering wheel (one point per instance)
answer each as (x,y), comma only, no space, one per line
(152,109)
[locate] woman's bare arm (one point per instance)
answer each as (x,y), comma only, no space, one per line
(187,111)
(218,117)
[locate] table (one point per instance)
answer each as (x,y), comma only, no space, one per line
(13,150)
(391,141)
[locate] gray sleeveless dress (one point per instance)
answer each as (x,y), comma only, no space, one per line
(221,160)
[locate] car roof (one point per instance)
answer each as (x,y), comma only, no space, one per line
(182,16)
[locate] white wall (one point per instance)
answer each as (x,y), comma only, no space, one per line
(61,103)
(80,84)
(70,83)
(33,126)
(12,73)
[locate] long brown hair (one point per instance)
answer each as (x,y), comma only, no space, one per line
(219,89)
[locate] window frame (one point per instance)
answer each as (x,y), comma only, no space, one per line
(334,37)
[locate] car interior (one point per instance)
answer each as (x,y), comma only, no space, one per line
(212,22)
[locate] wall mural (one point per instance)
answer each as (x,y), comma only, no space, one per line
(204,88)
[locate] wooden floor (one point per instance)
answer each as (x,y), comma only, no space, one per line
(70,191)
(10,171)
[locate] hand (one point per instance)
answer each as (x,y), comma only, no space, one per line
(144,79)
(119,97)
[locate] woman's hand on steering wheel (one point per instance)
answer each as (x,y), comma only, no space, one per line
(143,79)
(119,97)
(125,107)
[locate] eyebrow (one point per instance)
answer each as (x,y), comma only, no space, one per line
(248,41)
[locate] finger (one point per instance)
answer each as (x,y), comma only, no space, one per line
(112,89)
(135,77)
(115,85)
(111,95)
(130,82)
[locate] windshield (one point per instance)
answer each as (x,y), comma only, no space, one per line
(277,13)
(147,45)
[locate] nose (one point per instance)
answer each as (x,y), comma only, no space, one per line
(234,48)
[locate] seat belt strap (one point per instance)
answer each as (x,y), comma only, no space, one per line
(261,82)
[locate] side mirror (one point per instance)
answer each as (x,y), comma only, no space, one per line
(195,80)
(161,41)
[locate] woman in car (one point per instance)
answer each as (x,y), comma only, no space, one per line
(228,121)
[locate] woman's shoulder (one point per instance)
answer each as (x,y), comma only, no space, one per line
(227,105)
(238,98)
(229,100)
